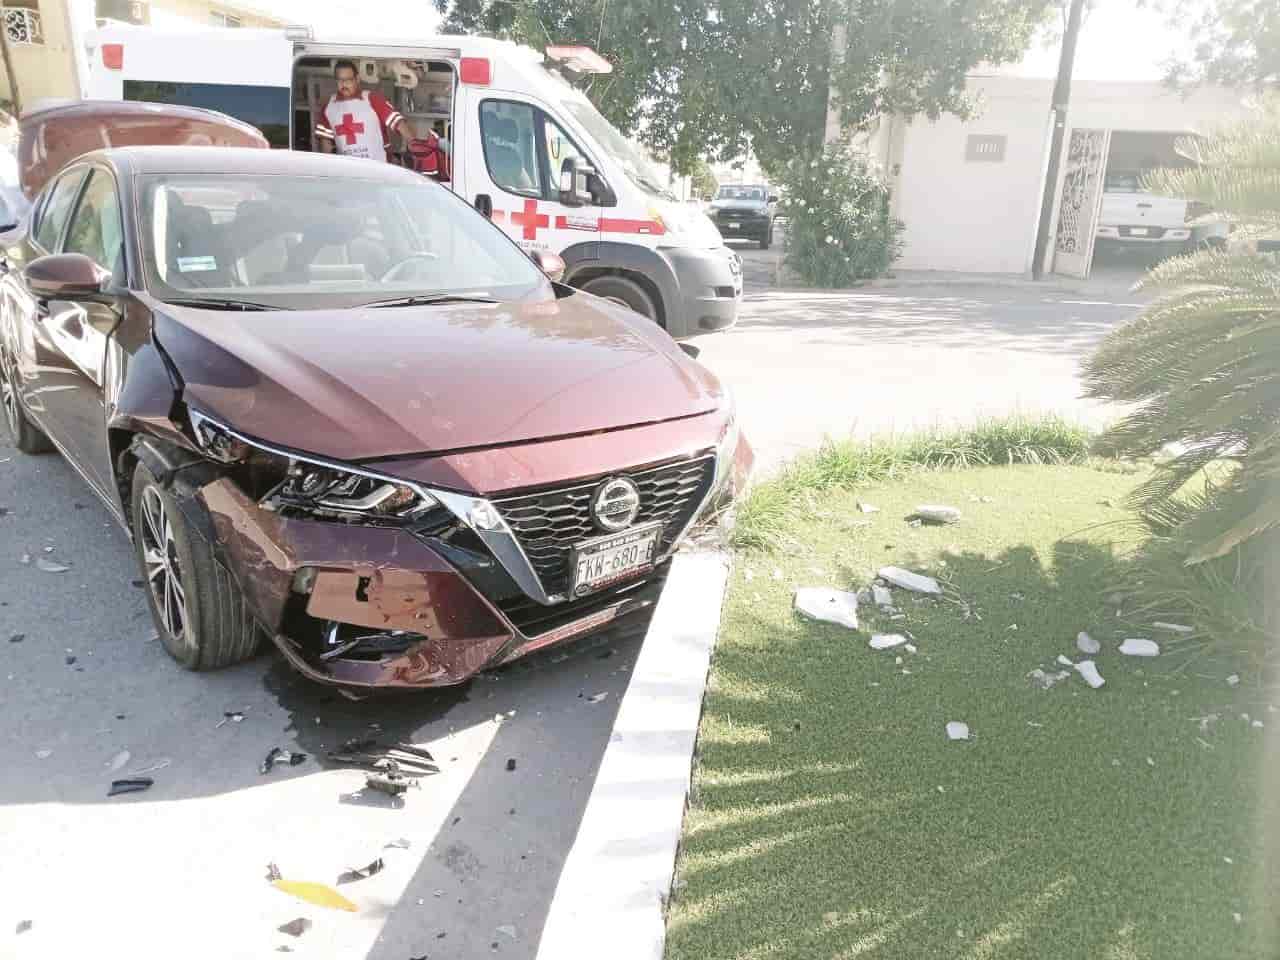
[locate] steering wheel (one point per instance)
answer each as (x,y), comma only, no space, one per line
(393,273)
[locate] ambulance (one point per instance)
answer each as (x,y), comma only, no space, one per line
(524,145)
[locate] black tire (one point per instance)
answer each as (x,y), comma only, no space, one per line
(218,628)
(626,292)
(27,437)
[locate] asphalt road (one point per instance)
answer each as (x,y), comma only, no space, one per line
(806,365)
(180,869)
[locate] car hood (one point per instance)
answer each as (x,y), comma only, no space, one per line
(366,383)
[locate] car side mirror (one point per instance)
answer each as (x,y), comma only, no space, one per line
(552,264)
(66,276)
(575,183)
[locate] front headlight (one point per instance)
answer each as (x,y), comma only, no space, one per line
(297,484)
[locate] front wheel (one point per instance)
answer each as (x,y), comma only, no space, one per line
(197,607)
(624,292)
(27,437)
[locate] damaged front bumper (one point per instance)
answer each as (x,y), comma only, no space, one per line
(421,606)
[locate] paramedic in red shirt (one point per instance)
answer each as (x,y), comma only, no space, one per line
(357,122)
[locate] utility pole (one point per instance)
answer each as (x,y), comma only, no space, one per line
(1061,97)
(10,73)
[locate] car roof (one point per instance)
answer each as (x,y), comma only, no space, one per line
(248,160)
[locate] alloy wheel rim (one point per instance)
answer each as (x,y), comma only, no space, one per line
(8,395)
(160,558)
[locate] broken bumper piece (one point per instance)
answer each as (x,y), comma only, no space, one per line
(371,606)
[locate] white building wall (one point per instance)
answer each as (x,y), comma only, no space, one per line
(979,216)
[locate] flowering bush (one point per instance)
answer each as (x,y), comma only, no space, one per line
(838,226)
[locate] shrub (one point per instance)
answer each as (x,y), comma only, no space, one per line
(839,230)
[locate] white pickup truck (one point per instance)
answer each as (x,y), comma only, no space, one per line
(1134,219)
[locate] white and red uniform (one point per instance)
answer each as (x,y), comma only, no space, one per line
(360,126)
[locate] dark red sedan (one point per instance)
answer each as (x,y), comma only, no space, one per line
(335,406)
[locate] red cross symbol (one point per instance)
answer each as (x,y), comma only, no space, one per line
(531,219)
(349,128)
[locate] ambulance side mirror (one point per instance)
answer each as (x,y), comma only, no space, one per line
(575,183)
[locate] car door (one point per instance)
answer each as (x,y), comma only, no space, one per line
(78,333)
(521,151)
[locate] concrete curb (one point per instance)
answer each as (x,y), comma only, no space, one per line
(613,889)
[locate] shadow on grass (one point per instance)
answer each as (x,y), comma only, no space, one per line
(832,817)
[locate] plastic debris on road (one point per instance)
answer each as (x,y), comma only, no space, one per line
(1138,647)
(277,756)
(507,930)
(916,582)
(957,730)
(119,760)
(315,893)
(51,566)
(362,873)
(132,785)
(295,928)
(828,606)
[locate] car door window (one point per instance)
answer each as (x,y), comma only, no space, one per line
(56,209)
(95,226)
(510,146)
(559,148)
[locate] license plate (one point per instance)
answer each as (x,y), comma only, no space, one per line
(735,226)
(605,560)
(1137,231)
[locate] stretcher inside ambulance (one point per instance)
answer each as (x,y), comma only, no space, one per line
(506,127)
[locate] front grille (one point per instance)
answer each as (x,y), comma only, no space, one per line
(550,524)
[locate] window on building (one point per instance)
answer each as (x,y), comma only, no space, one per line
(220,19)
(22,22)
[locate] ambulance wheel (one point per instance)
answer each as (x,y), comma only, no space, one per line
(624,292)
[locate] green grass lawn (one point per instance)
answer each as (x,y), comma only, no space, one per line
(832,818)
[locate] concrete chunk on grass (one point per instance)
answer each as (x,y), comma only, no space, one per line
(1139,647)
(828,606)
(915,582)
(887,641)
(937,513)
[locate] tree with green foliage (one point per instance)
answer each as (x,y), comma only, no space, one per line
(1236,43)
(711,80)
(702,181)
(1202,363)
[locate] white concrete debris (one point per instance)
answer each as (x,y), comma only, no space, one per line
(1233,680)
(882,596)
(1138,647)
(830,606)
(1150,762)
(1088,671)
(911,648)
(910,581)
(867,508)
(1065,661)
(1256,724)
(1237,918)
(1044,681)
(119,760)
(1173,627)
(936,513)
(1086,644)
(957,730)
(886,641)
(507,930)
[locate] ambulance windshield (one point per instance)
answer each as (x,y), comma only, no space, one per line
(638,167)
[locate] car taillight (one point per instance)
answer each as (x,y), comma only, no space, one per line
(475,70)
(113,56)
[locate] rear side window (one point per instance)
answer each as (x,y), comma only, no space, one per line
(510,146)
(56,209)
(95,227)
(266,108)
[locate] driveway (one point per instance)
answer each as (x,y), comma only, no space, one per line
(918,352)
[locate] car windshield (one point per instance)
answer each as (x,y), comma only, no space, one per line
(638,167)
(741,193)
(321,242)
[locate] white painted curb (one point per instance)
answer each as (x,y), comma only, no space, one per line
(614,885)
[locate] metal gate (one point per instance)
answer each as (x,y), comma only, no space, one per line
(1080,201)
